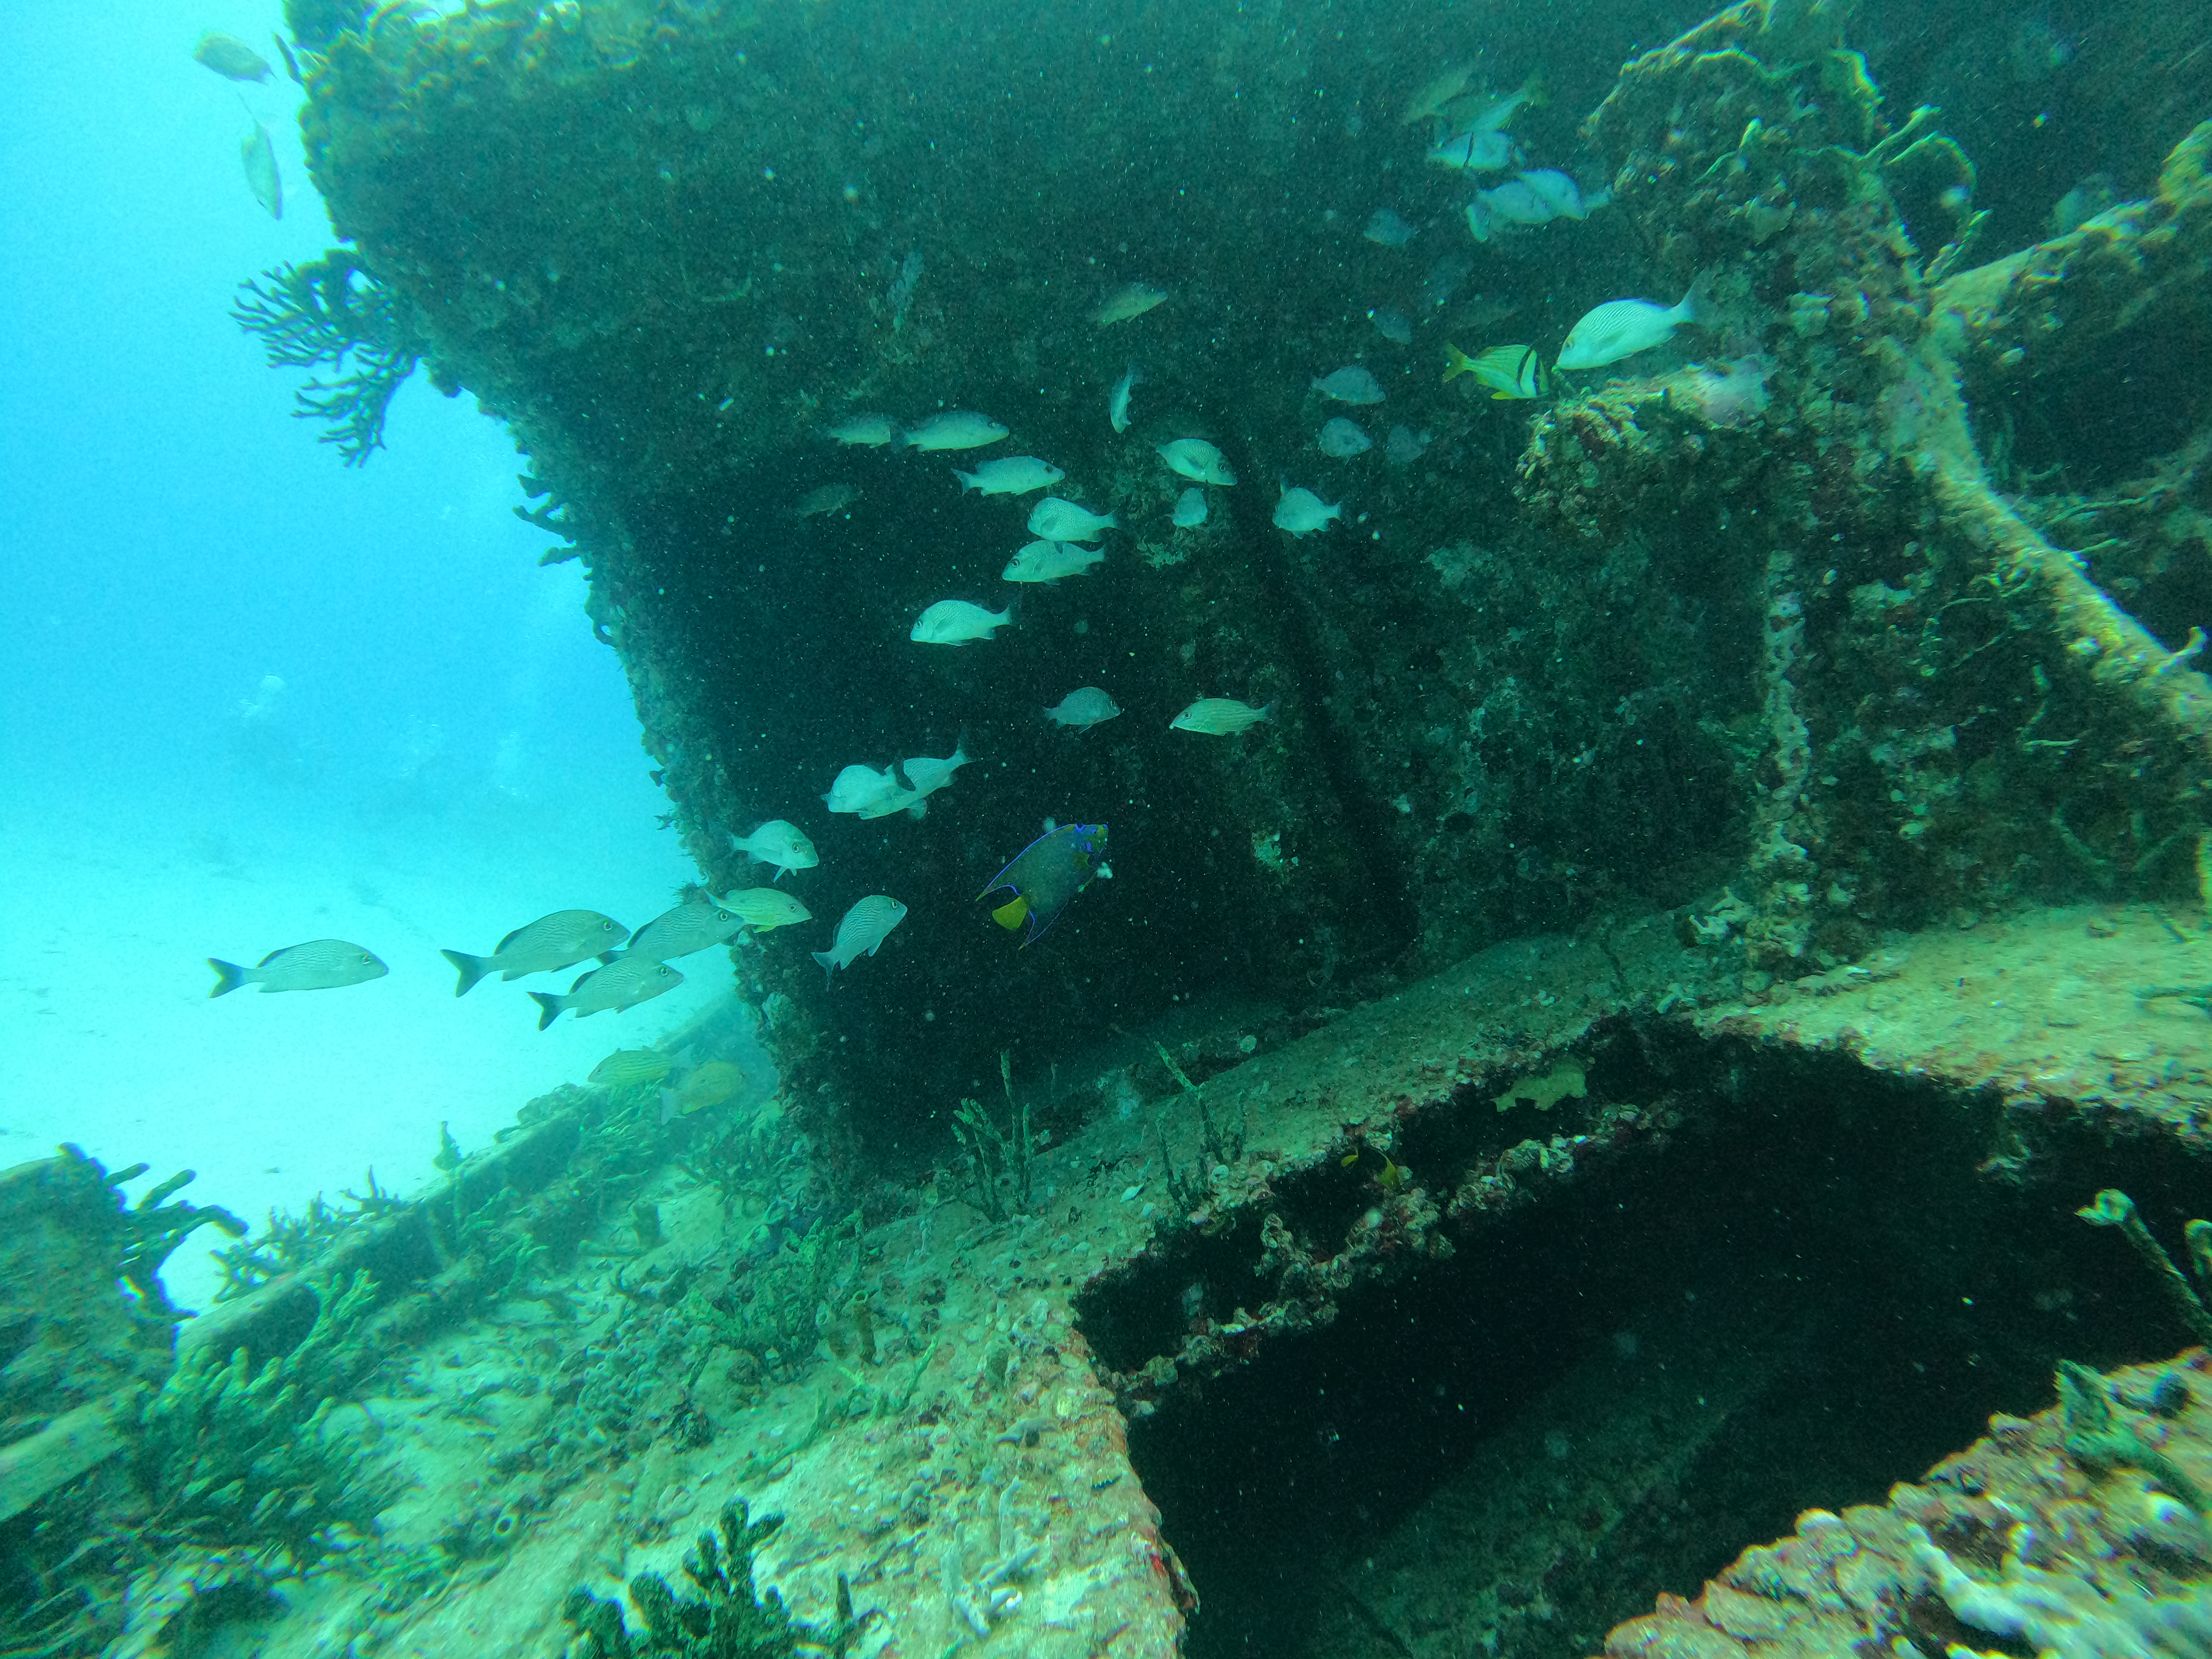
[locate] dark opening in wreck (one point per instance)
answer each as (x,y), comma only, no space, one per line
(1791,1282)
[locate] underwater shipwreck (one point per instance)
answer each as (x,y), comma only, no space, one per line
(1659,1105)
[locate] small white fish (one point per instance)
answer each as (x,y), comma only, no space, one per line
(1084,708)
(1340,438)
(780,842)
(1198,460)
(956,622)
(957,429)
(1350,385)
(1048,561)
(872,430)
(1388,228)
(1301,511)
(1219,717)
(257,151)
(1190,508)
(1117,403)
(862,932)
(1058,520)
(858,788)
(623,983)
(1621,328)
(231,57)
(1562,194)
(761,909)
(1482,150)
(1131,300)
(1009,474)
(928,776)
(320,964)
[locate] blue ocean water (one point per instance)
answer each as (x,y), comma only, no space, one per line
(252,696)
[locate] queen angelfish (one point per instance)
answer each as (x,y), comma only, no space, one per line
(1045,875)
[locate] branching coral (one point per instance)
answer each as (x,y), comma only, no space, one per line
(322,313)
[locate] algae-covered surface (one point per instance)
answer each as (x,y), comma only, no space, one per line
(1607,1047)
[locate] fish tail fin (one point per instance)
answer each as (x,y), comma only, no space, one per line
(1267,711)
(828,965)
(228,976)
(968,480)
(1459,361)
(471,969)
(549,1007)
(1697,305)
(1534,92)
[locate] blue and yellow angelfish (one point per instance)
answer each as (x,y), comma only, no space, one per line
(1045,875)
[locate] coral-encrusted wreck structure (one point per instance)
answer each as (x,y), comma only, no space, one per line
(1611,1063)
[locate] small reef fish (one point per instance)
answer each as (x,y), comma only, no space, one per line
(320,964)
(1219,717)
(1433,100)
(1190,508)
(1058,520)
(230,58)
(1009,474)
(624,983)
(1197,460)
(1048,561)
(956,622)
(1045,875)
(1340,438)
(1621,328)
(1117,401)
(780,843)
(857,785)
(871,430)
(1481,150)
(560,940)
(830,498)
(1405,446)
(1444,278)
(957,429)
(627,1067)
(862,932)
(928,776)
(1350,385)
(764,908)
(1490,113)
(1388,228)
(1391,326)
(716,1083)
(1084,708)
(257,151)
(1131,300)
(1301,511)
(908,801)
(1510,371)
(695,925)
(1531,199)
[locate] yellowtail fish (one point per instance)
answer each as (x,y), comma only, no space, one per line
(1045,875)
(1131,300)
(230,58)
(763,907)
(259,153)
(1219,717)
(694,925)
(861,934)
(716,1083)
(1510,371)
(626,1066)
(320,964)
(560,940)
(624,984)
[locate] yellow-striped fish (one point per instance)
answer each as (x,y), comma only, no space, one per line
(1510,371)
(704,1086)
(628,1066)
